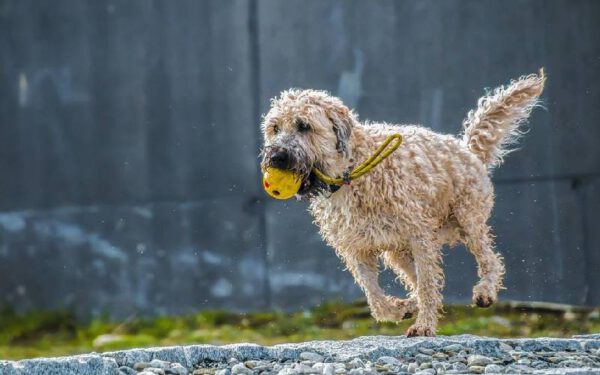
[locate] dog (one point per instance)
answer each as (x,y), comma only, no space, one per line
(435,189)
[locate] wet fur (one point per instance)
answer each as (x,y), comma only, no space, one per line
(434,190)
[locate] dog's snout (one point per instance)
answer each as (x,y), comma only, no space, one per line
(280,159)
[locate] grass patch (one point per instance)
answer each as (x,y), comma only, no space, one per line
(59,333)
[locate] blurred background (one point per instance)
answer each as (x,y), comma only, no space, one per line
(129,135)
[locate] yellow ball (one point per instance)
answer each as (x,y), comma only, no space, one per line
(281,184)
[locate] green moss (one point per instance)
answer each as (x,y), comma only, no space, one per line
(59,333)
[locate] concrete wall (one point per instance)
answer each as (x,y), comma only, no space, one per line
(129,139)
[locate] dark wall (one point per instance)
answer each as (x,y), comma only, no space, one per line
(129,140)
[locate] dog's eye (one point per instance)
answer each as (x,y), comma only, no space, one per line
(302,126)
(275,129)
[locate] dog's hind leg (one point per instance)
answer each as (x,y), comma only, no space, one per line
(403,265)
(480,243)
(366,273)
(430,281)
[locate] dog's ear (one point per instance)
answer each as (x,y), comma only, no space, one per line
(342,127)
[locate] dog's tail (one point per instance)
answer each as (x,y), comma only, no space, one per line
(494,125)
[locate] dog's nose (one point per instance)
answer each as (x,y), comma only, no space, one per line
(280,159)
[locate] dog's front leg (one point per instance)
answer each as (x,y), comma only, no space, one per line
(383,307)
(430,281)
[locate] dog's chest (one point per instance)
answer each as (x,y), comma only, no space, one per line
(347,220)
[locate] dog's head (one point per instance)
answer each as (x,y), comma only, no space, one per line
(306,129)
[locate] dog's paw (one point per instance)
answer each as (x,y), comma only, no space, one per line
(420,330)
(483,301)
(483,296)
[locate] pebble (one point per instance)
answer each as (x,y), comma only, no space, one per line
(355,363)
(478,360)
(571,363)
(240,368)
(177,369)
(124,370)
(477,369)
(311,356)
(425,365)
(427,351)
(206,371)
(493,369)
(328,369)
(423,358)
(454,348)
(412,367)
(157,363)
(224,371)
(459,366)
(385,360)
(519,369)
(428,371)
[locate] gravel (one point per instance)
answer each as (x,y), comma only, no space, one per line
(463,354)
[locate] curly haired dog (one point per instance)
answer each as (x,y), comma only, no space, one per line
(434,190)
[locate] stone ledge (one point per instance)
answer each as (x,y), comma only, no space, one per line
(369,349)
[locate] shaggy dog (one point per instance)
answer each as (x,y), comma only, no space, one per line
(434,190)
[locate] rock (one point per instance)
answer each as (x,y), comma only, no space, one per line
(428,371)
(423,358)
(125,370)
(386,360)
(476,369)
(427,351)
(438,365)
(425,365)
(478,360)
(571,363)
(412,367)
(539,364)
(139,366)
(302,368)
(518,369)
(176,369)
(328,369)
(224,371)
(311,356)
(251,364)
(493,369)
(205,371)
(241,369)
(524,361)
(157,363)
(454,348)
(459,366)
(355,363)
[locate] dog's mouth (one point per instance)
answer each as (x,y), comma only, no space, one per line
(311,186)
